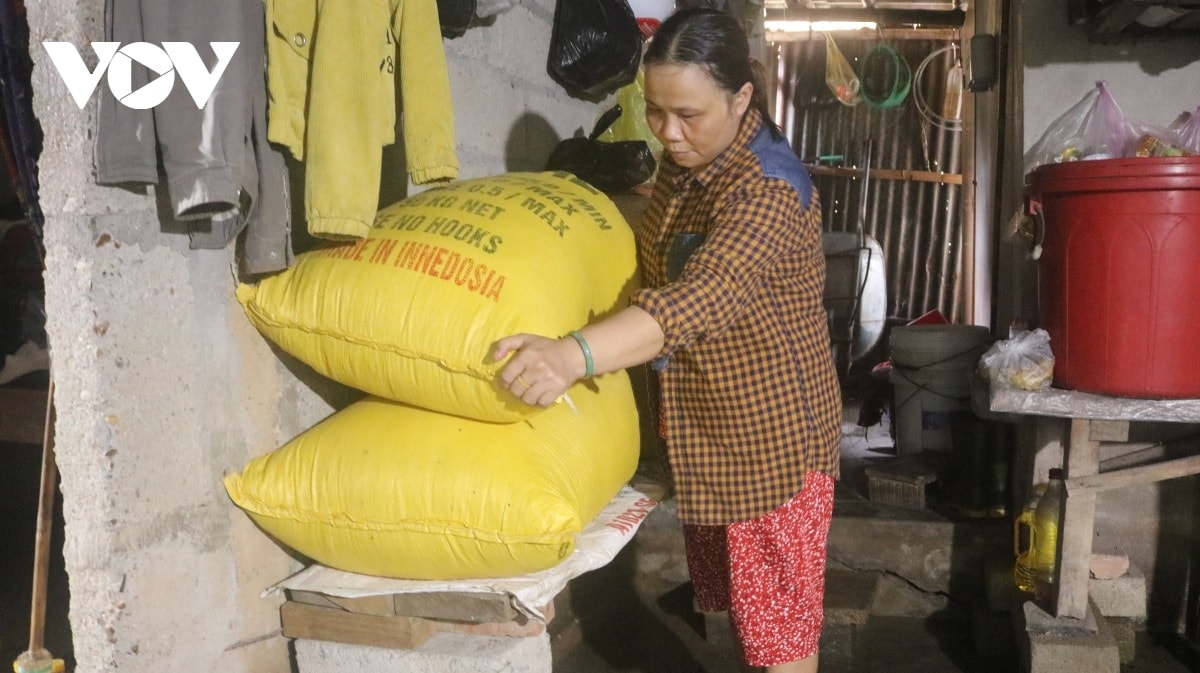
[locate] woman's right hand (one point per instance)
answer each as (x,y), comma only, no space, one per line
(540,370)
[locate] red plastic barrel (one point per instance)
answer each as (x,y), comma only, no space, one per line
(1119,274)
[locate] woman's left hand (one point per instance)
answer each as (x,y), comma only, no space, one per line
(541,369)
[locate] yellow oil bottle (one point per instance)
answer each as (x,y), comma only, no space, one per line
(1022,542)
(1036,539)
(1045,536)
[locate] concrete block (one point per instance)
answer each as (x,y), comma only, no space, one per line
(899,598)
(849,595)
(1124,596)
(443,653)
(924,548)
(1050,645)
(1035,619)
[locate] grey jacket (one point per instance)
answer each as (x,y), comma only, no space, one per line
(222,175)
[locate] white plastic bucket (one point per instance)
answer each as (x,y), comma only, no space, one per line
(931,374)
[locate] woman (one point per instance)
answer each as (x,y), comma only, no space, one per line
(732,318)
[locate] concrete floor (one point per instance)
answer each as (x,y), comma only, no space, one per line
(635,615)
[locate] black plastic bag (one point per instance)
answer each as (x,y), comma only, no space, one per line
(607,166)
(596,46)
(454,16)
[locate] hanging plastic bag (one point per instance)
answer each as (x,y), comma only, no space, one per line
(1024,361)
(609,167)
(631,125)
(839,76)
(1093,128)
(596,46)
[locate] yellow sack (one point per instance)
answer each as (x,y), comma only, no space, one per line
(387,489)
(411,312)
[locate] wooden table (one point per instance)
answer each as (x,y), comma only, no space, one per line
(1090,420)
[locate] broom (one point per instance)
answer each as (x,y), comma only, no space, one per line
(37,659)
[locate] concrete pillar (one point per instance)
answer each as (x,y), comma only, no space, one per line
(163,386)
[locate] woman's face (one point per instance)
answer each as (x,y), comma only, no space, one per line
(690,114)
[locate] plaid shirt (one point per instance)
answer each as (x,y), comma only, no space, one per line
(750,398)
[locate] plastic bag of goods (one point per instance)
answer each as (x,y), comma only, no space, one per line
(1025,361)
(1093,128)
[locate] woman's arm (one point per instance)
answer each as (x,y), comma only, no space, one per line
(542,369)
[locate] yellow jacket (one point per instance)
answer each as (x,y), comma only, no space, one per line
(331,77)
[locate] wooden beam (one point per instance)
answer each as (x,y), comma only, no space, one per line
(892,34)
(888,174)
(1170,469)
(1110,431)
(455,606)
(380,606)
(968,196)
(312,622)
(1076,525)
(458,606)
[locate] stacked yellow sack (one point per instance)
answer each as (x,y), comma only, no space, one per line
(411,312)
(441,474)
(388,489)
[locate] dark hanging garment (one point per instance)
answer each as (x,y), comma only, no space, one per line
(23,133)
(222,176)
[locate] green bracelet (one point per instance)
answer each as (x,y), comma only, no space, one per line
(588,365)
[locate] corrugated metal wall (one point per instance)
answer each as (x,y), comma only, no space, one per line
(917,223)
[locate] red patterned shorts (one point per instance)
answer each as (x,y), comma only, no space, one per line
(769,573)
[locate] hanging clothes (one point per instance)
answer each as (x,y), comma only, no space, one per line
(23,133)
(332,69)
(222,175)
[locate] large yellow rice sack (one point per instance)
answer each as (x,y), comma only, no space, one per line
(411,312)
(392,490)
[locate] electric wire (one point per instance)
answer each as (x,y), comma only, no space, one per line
(922,104)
